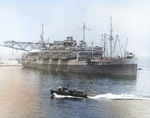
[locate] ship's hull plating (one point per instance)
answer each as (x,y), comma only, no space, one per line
(113,69)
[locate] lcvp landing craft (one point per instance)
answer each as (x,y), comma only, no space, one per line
(67,56)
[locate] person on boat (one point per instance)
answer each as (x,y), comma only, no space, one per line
(75,89)
(65,89)
(59,89)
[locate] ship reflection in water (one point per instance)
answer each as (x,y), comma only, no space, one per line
(25,93)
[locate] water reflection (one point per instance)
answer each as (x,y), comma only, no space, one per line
(83,75)
(18,93)
(98,84)
(26,93)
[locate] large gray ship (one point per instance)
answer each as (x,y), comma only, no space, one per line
(67,56)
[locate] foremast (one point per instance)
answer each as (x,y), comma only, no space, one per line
(42,37)
(110,37)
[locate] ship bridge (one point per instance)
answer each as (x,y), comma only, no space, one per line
(25,46)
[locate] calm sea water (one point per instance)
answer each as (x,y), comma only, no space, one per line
(25,93)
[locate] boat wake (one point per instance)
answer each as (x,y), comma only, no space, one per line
(62,96)
(110,96)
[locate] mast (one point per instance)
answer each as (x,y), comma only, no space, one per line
(111,38)
(42,35)
(84,28)
(83,31)
(92,50)
(104,43)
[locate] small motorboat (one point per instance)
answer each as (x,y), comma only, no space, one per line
(139,68)
(65,91)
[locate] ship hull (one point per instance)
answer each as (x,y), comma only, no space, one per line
(112,69)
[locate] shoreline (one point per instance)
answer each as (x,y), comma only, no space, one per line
(10,65)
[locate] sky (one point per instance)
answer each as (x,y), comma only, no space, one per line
(22,21)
